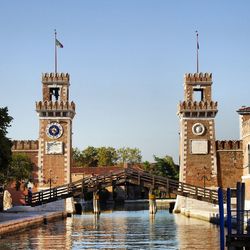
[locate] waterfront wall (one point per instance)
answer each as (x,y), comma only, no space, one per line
(25,222)
(196,209)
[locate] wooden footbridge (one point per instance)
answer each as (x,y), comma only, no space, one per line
(129,175)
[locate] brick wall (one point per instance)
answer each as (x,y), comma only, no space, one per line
(229,162)
(29,148)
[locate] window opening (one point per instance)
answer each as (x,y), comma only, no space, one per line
(54,94)
(198,95)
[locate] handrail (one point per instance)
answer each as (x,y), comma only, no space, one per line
(119,177)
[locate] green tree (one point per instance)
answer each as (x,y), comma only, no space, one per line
(20,169)
(129,155)
(166,167)
(90,157)
(163,166)
(107,156)
(5,144)
(77,157)
(122,154)
(147,166)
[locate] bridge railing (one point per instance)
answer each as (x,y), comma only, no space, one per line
(174,186)
(129,175)
(68,190)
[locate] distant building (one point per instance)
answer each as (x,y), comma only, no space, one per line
(204,161)
(52,152)
(244,113)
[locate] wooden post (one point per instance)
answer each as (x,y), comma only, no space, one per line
(113,190)
(229,215)
(242,207)
(221,211)
(96,203)
(167,187)
(139,180)
(152,202)
(238,207)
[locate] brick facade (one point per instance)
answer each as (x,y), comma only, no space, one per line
(55,151)
(244,113)
(29,148)
(229,162)
(203,160)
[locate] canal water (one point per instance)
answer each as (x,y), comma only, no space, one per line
(120,229)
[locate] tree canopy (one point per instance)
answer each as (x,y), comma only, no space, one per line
(164,166)
(5,144)
(105,156)
(20,169)
(16,167)
(129,155)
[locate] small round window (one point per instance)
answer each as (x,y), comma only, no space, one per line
(198,129)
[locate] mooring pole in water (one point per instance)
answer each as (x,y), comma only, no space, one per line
(221,212)
(229,215)
(238,207)
(152,202)
(242,207)
(96,203)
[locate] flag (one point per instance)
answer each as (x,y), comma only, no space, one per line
(58,44)
(197,35)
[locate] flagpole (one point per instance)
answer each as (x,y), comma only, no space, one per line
(55,54)
(197,51)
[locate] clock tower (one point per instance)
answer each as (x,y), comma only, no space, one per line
(198,163)
(55,131)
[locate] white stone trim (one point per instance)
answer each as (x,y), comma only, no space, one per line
(245,177)
(228,150)
(68,145)
(247,204)
(56,117)
(21,150)
(241,121)
(199,118)
(40,164)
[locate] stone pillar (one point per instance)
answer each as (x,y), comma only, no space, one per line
(70,205)
(96,203)
(152,202)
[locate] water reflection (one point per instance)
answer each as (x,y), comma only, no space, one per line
(51,236)
(118,230)
(196,234)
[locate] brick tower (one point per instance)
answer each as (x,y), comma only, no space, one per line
(55,131)
(197,131)
(244,113)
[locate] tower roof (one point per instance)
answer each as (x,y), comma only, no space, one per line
(198,77)
(244,110)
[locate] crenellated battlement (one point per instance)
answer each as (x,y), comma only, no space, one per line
(198,77)
(58,106)
(194,106)
(25,145)
(244,110)
(229,145)
(55,77)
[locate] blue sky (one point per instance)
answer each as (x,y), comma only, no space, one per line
(126,60)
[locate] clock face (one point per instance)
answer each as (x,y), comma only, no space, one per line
(198,129)
(54,130)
